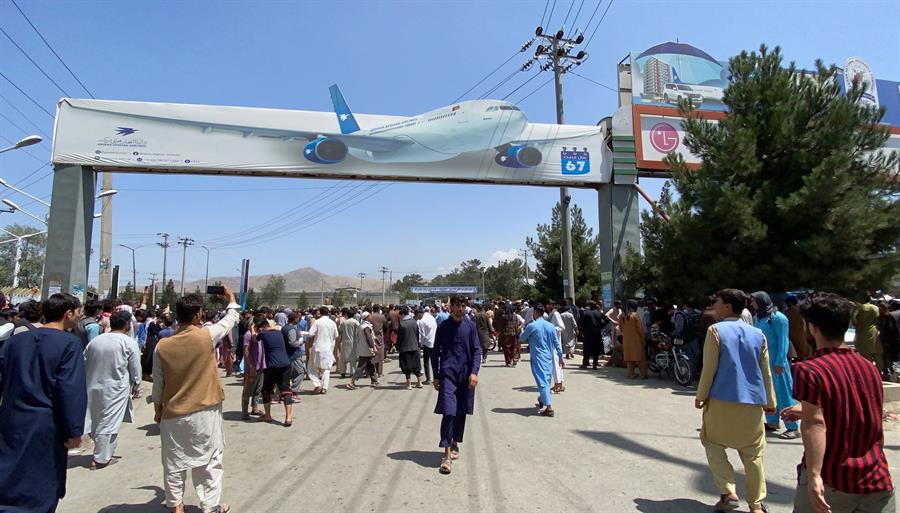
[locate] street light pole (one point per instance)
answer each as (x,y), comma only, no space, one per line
(15,207)
(133,267)
(26,141)
(165,245)
(16,265)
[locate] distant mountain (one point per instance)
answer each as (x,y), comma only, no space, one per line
(305,278)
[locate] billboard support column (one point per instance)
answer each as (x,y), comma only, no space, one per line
(619,211)
(69,231)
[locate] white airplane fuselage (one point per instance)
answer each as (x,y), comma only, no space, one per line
(444,133)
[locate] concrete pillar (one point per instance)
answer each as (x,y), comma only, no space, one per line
(69,231)
(619,229)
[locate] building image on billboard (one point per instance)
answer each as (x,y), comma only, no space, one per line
(669,73)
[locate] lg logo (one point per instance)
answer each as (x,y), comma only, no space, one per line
(664,137)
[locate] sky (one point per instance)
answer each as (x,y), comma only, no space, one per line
(389,57)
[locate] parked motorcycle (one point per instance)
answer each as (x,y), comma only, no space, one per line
(669,356)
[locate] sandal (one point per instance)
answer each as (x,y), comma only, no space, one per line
(288,423)
(222,508)
(265,418)
(446,466)
(454,453)
(98,466)
(727,503)
(546,412)
(351,386)
(791,434)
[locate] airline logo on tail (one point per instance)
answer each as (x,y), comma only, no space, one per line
(345,118)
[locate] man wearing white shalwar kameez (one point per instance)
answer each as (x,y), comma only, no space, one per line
(113,368)
(558,376)
(325,334)
(188,396)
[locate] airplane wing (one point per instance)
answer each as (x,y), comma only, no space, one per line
(364,142)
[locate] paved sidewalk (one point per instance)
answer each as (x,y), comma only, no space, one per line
(616,445)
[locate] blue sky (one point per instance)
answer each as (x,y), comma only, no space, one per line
(390,57)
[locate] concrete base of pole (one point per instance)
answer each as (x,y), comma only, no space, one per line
(69,231)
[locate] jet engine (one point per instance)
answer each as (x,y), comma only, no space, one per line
(518,156)
(325,151)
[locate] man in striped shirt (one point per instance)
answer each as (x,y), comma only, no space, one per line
(843,468)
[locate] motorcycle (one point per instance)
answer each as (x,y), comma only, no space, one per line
(670,356)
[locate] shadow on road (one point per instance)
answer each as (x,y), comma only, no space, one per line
(79,460)
(662,382)
(671,505)
(524,412)
(151,429)
(232,415)
(702,480)
(427,459)
(532,389)
(155,504)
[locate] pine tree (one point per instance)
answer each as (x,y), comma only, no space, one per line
(793,191)
(252,300)
(302,300)
(169,296)
(548,254)
(272,290)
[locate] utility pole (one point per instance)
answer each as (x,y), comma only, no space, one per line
(133,268)
(323,293)
(524,252)
(206,285)
(184,241)
(561,61)
(165,245)
(152,289)
(104,276)
(361,276)
(384,270)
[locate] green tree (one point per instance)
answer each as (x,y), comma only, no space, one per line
(31,262)
(128,294)
(169,296)
(548,279)
(403,285)
(272,290)
(252,300)
(302,300)
(506,279)
(468,273)
(793,191)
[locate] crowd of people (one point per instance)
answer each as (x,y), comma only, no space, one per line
(68,370)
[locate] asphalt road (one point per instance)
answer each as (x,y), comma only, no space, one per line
(615,445)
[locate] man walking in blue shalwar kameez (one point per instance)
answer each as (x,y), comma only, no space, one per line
(774,326)
(456,360)
(542,344)
(43,399)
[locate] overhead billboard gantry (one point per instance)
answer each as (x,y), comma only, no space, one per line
(477,141)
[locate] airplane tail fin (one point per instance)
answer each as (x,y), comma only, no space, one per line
(345,118)
(675,77)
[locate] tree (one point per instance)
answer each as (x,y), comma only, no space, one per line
(128,294)
(252,300)
(302,300)
(31,262)
(547,252)
(408,281)
(505,279)
(793,191)
(272,290)
(169,296)
(468,273)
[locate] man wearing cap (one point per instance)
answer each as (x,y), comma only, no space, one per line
(543,344)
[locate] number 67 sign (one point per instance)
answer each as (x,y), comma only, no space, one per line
(575,161)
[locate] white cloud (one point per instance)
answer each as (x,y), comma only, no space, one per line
(501,255)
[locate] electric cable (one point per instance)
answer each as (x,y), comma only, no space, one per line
(24,116)
(523,84)
(36,65)
(26,95)
(593,81)
(513,56)
(38,32)
(608,5)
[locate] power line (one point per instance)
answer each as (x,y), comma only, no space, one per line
(577,13)
(16,125)
(546,5)
(608,5)
(36,65)
(549,18)
(498,86)
(38,32)
(523,84)
(538,88)
(26,95)
(593,81)
(511,57)
(568,13)
(588,24)
(24,116)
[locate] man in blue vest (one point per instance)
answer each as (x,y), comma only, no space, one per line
(734,392)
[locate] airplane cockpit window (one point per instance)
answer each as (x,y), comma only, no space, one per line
(492,109)
(508,107)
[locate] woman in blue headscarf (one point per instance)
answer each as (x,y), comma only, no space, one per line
(774,326)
